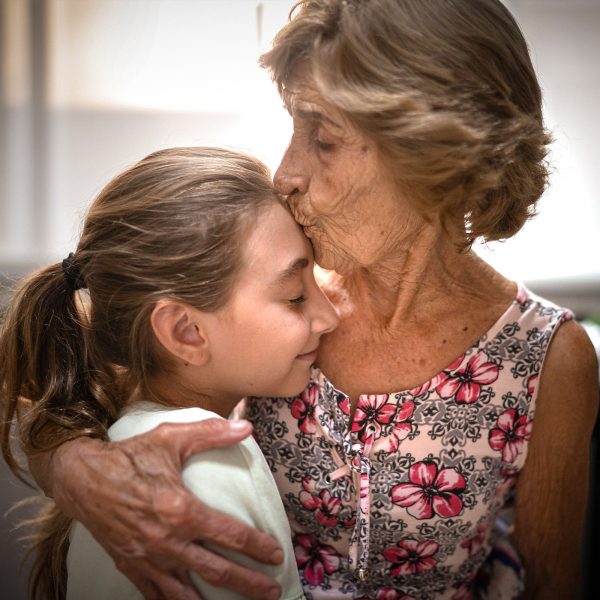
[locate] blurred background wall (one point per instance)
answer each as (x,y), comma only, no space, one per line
(87,87)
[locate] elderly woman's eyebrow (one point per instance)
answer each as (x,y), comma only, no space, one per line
(291,270)
(314,115)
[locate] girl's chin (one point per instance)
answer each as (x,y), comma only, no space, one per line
(294,389)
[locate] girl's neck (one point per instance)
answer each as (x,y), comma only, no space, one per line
(175,391)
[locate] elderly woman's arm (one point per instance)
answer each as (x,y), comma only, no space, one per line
(130,496)
(553,487)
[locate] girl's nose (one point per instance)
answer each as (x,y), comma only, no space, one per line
(325,318)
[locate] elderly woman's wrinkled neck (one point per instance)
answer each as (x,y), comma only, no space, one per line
(409,283)
(362,224)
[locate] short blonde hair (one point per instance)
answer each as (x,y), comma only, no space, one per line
(445,88)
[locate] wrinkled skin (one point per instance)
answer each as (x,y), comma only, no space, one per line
(129,495)
(403,288)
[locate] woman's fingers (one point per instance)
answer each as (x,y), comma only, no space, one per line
(144,585)
(155,584)
(183,439)
(203,524)
(221,572)
(130,496)
(184,513)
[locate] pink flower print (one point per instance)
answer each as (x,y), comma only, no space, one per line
(510,435)
(410,556)
(521,296)
(303,409)
(315,559)
(402,427)
(509,477)
(344,404)
(532,383)
(325,507)
(473,544)
(465,384)
(430,492)
(372,412)
(464,592)
(428,385)
(390,594)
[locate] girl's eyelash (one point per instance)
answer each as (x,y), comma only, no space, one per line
(298,300)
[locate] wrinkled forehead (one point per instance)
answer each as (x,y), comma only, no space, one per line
(300,87)
(304,101)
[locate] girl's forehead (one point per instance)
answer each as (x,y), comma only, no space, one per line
(273,243)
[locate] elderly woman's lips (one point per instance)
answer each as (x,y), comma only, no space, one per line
(301,219)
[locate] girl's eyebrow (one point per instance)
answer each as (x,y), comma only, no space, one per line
(291,270)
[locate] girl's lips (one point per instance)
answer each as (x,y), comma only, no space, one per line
(311,356)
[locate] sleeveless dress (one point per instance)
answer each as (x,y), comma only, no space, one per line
(409,500)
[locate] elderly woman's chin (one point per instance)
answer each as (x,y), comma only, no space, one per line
(330,260)
(333,255)
(327,257)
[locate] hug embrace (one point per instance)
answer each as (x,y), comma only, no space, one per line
(210,421)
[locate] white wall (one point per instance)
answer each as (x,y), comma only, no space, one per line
(123,78)
(116,93)
(563,241)
(126,77)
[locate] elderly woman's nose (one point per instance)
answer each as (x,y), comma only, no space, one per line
(287,182)
(290,184)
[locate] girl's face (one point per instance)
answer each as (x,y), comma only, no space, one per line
(265,339)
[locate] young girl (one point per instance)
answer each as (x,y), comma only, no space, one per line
(196,290)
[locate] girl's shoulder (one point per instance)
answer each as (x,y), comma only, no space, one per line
(141,417)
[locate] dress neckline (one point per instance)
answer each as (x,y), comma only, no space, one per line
(520,296)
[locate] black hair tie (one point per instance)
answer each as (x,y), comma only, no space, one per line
(72,273)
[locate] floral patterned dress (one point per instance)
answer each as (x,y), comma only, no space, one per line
(406,500)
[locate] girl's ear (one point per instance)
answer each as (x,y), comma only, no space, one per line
(178,327)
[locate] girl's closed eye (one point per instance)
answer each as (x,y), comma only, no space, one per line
(297,300)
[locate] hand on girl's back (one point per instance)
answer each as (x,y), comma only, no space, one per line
(106,486)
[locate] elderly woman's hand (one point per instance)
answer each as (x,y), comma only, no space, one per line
(130,496)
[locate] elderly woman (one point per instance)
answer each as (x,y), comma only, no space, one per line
(447,395)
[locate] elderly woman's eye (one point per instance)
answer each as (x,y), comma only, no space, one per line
(320,144)
(324,146)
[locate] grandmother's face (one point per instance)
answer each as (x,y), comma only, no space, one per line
(339,188)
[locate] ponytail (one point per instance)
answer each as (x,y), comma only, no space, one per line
(44,360)
(49,388)
(169,226)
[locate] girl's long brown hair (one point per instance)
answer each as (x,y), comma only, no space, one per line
(170,226)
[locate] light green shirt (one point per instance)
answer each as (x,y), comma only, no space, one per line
(234,480)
